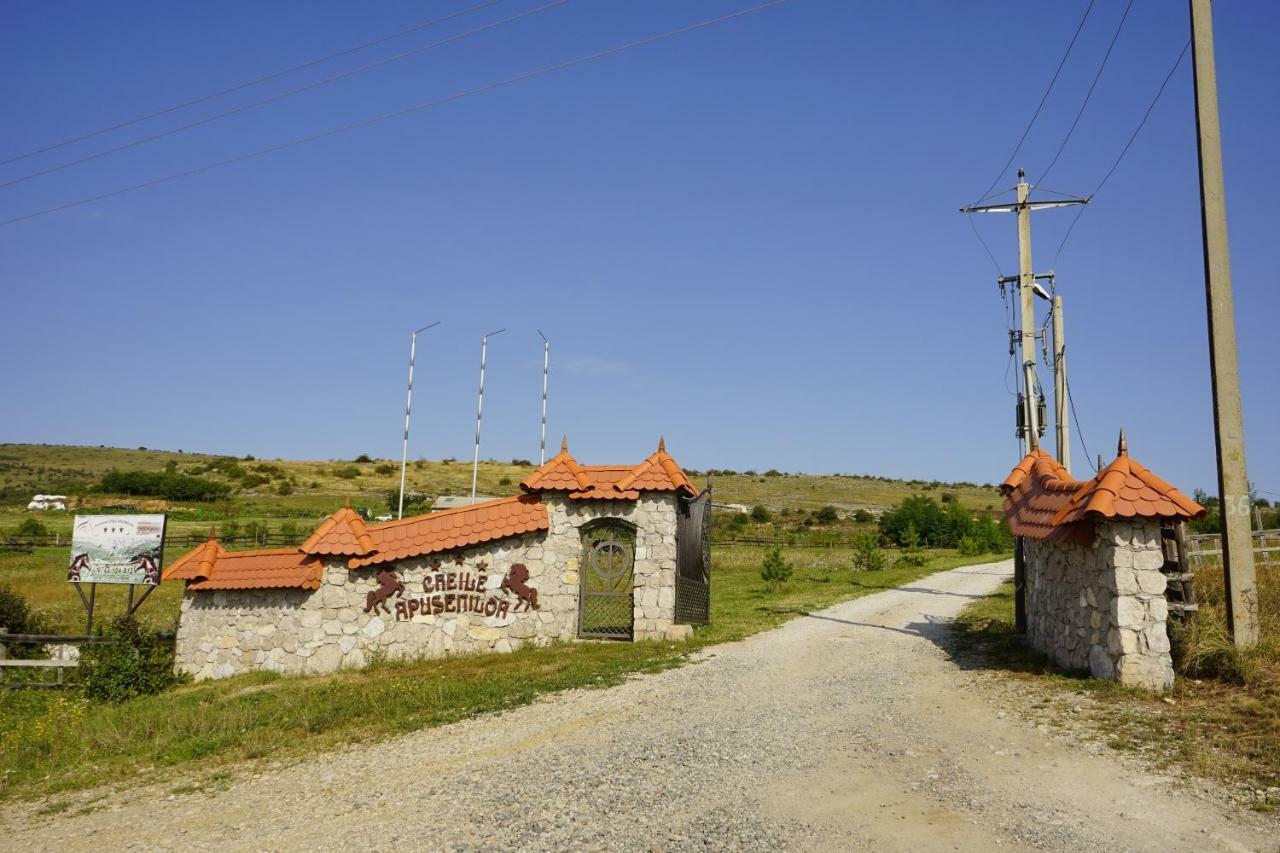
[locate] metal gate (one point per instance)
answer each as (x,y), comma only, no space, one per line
(693,560)
(606,606)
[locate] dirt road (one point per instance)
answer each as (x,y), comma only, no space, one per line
(845,730)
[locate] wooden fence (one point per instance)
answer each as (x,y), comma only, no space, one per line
(60,662)
(1207,547)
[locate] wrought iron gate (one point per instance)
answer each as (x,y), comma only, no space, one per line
(606,606)
(693,560)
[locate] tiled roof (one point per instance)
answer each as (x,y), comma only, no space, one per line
(1043,502)
(210,566)
(342,534)
(658,473)
(454,528)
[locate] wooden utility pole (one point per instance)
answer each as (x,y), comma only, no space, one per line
(1228,420)
(1062,429)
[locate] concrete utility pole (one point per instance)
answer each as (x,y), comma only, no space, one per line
(475,463)
(1060,424)
(1228,420)
(1027,291)
(408,404)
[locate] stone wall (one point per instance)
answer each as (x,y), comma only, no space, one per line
(452,603)
(1101,607)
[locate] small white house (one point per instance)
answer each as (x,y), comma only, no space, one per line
(48,502)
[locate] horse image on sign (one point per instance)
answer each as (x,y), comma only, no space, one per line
(117,549)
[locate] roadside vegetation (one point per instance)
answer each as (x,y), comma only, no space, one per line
(1220,721)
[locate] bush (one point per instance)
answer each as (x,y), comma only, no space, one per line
(32,527)
(760,514)
(970,547)
(384,469)
(827,515)
(346,472)
(863,516)
(913,559)
(157,484)
(505,481)
(284,487)
(230,529)
(137,664)
(775,570)
(17,617)
(523,463)
(415,503)
(363,459)
(867,554)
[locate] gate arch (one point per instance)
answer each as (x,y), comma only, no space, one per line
(606,594)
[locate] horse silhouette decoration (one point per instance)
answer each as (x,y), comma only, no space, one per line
(150,569)
(387,585)
(517,583)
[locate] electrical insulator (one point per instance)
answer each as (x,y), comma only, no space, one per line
(1040,415)
(1013,341)
(1021,416)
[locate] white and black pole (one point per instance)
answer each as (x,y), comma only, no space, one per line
(475,462)
(408,404)
(546,368)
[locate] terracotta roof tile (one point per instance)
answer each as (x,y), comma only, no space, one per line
(210,566)
(658,473)
(1043,502)
(342,534)
(451,529)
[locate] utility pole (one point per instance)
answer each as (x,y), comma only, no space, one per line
(475,463)
(408,404)
(1027,291)
(546,369)
(1062,428)
(1228,420)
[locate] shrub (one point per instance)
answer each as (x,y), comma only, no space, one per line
(289,529)
(257,531)
(157,484)
(346,472)
(970,547)
(827,515)
(760,514)
(138,663)
(284,487)
(363,459)
(912,559)
(505,481)
(948,498)
(17,617)
(415,503)
(863,516)
(230,529)
(384,469)
(32,527)
(775,570)
(867,554)
(523,463)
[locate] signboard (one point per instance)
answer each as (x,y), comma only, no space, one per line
(117,549)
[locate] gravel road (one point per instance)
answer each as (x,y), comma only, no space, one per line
(848,729)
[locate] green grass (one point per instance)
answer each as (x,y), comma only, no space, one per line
(59,743)
(1221,720)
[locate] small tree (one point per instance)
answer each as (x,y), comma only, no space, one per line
(867,555)
(32,527)
(775,570)
(760,514)
(863,516)
(828,515)
(136,664)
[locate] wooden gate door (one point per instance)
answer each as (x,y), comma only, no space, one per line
(606,605)
(693,560)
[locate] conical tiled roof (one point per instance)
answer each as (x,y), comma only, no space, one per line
(342,534)
(562,473)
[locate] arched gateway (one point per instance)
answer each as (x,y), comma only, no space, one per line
(583,551)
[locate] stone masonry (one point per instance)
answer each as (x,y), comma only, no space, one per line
(1101,607)
(229,631)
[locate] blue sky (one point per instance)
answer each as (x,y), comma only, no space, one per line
(745,238)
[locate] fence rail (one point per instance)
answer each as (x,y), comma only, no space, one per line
(60,661)
(1204,547)
(175,541)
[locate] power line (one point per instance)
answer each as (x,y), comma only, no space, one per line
(275,75)
(287,94)
(1071,403)
(1125,150)
(456,96)
(1089,94)
(985,247)
(1040,106)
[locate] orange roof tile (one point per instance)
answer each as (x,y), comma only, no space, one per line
(1043,502)
(450,529)
(658,473)
(210,566)
(342,534)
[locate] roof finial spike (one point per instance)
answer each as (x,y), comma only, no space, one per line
(1122,449)
(213,533)
(662,444)
(564,444)
(347,502)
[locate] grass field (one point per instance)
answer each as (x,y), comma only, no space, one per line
(59,743)
(1221,720)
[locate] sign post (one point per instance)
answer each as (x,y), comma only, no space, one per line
(119,549)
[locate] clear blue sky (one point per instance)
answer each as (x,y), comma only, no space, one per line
(745,238)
